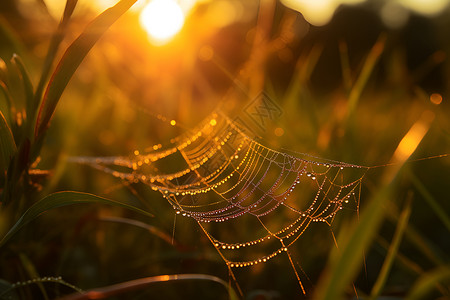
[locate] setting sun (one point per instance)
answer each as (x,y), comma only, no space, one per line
(162,19)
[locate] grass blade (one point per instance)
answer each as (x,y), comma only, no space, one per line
(6,94)
(345,66)
(437,209)
(120,288)
(428,282)
(10,42)
(152,229)
(423,245)
(25,77)
(364,76)
(7,291)
(72,58)
(350,257)
(348,261)
(52,50)
(61,199)
(392,252)
(409,264)
(304,67)
(7,145)
(32,273)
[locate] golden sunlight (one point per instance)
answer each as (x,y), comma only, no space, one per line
(315,12)
(162,19)
(414,136)
(394,12)
(426,7)
(318,12)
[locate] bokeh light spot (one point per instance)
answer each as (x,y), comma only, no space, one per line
(426,7)
(394,15)
(436,98)
(279,131)
(206,53)
(317,12)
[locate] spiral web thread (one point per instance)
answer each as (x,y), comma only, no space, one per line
(231,184)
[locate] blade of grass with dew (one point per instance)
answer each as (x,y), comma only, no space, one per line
(32,273)
(61,199)
(392,252)
(7,145)
(437,209)
(72,58)
(428,281)
(7,291)
(120,288)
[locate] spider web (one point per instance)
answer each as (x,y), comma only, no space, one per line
(231,185)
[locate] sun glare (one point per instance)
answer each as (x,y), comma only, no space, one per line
(162,19)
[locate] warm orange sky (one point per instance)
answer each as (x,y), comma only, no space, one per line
(170,14)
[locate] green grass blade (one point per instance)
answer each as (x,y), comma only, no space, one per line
(72,58)
(52,51)
(32,273)
(343,268)
(26,81)
(392,252)
(304,67)
(7,291)
(7,145)
(345,66)
(405,262)
(9,40)
(121,288)
(61,199)
(369,65)
(437,209)
(152,229)
(427,282)
(6,94)
(349,259)
(434,255)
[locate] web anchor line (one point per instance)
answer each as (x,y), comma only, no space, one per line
(222,178)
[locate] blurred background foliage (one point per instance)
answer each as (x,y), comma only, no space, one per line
(350,83)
